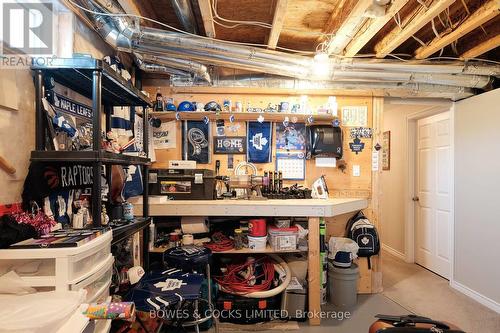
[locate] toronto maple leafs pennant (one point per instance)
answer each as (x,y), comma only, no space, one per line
(133,184)
(259,136)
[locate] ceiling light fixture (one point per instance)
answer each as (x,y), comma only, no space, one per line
(321,64)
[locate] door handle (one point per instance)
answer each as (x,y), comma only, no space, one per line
(416,198)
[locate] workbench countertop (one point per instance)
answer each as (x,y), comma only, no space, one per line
(161,206)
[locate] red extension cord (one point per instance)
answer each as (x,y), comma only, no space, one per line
(219,243)
(233,282)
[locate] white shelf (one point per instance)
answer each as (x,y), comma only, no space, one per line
(242,116)
(161,206)
(245,250)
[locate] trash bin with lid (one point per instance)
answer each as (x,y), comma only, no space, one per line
(343,285)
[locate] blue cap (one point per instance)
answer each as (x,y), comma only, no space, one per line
(171,107)
(186,106)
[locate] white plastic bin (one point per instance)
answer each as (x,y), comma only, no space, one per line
(283,239)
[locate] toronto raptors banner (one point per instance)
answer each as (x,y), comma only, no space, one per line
(195,138)
(55,184)
(259,136)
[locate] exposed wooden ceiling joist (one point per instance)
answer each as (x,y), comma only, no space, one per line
(485,13)
(371,27)
(482,48)
(349,27)
(144,9)
(278,21)
(130,7)
(207,17)
(397,36)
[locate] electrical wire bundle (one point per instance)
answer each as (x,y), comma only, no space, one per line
(220,243)
(253,276)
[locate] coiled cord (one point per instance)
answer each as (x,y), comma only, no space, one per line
(233,281)
(220,243)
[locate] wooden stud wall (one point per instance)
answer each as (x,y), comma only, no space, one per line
(340,184)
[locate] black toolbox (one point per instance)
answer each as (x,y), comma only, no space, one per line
(243,310)
(183,184)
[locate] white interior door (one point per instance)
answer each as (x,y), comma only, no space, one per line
(434,218)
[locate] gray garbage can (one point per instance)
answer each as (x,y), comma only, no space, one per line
(343,285)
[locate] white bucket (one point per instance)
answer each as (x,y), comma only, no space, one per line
(257,243)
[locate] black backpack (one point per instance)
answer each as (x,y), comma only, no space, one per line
(364,233)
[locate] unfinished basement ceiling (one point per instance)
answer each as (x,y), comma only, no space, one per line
(306,23)
(382,46)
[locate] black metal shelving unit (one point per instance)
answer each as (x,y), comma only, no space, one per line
(96,80)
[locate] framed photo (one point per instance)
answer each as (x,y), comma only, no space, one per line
(386,150)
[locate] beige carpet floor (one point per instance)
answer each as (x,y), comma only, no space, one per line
(427,294)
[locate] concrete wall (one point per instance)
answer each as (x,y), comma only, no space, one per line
(17,112)
(477,197)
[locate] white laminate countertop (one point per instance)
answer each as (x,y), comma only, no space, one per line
(161,206)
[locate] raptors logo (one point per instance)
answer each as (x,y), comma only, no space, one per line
(52,177)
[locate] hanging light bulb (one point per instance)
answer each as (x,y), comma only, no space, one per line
(321,64)
(321,57)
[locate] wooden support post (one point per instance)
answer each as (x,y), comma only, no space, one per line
(485,13)
(314,278)
(397,36)
(278,21)
(378,129)
(378,114)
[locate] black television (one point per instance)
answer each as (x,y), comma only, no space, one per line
(324,140)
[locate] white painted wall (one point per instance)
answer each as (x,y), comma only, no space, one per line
(393,215)
(477,198)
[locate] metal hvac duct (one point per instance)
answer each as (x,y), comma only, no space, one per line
(196,68)
(184,12)
(155,68)
(419,66)
(160,37)
(389,89)
(161,45)
(227,61)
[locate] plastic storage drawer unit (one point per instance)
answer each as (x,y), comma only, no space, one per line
(96,284)
(58,268)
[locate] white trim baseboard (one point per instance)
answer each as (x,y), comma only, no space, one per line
(488,302)
(394,252)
